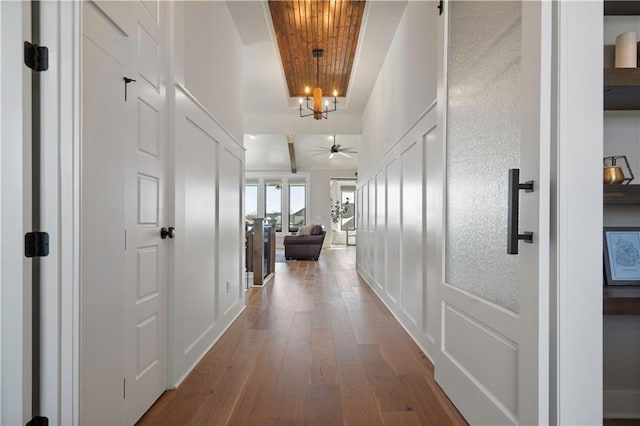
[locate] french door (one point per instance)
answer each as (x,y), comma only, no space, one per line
(494,74)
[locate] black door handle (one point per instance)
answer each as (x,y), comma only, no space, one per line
(514,209)
(167,232)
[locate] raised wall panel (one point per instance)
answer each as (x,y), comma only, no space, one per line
(147,341)
(148,129)
(147,271)
(496,370)
(411,264)
(152,6)
(381,232)
(364,237)
(148,58)
(433,223)
(371,230)
(393,230)
(148,199)
(200,159)
(229,230)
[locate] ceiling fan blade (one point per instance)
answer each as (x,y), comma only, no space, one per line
(344,154)
(319,153)
(338,146)
(331,155)
(350,151)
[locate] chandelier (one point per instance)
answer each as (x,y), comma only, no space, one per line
(317,110)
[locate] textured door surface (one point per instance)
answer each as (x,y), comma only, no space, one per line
(489,362)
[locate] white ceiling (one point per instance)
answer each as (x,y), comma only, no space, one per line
(270,114)
(269,152)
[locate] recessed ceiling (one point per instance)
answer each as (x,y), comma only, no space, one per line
(302,26)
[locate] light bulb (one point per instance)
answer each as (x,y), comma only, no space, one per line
(335,93)
(326,103)
(300,100)
(307,90)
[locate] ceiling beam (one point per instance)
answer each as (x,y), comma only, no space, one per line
(292,154)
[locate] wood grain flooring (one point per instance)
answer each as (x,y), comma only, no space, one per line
(314,347)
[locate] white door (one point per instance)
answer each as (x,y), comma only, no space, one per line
(492,362)
(123,281)
(146,252)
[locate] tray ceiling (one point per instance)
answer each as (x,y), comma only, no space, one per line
(302,26)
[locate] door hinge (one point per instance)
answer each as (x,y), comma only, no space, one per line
(38,421)
(124,388)
(36,57)
(440,7)
(36,244)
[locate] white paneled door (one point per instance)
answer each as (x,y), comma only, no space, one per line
(146,253)
(124,259)
(492,360)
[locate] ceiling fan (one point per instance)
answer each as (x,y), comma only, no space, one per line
(335,150)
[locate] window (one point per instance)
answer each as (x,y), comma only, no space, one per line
(250,203)
(297,207)
(348,198)
(273,205)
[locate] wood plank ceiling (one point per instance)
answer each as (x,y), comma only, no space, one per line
(304,25)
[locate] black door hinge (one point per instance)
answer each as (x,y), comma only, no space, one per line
(441,7)
(38,421)
(36,57)
(36,244)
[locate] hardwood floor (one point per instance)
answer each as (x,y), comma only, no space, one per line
(315,347)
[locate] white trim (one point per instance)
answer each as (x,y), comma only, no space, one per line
(195,100)
(577,237)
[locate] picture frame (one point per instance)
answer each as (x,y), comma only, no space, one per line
(621,255)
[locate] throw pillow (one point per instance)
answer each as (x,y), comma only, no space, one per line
(305,230)
(316,230)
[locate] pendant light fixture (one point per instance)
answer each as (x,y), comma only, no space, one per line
(318,110)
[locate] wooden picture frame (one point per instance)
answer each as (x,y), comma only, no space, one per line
(621,255)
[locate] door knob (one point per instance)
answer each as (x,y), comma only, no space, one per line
(167,232)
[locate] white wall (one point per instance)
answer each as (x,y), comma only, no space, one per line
(208,62)
(209,165)
(621,339)
(406,85)
(399,127)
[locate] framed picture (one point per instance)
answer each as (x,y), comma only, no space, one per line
(622,255)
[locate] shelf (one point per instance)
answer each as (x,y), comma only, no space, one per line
(621,7)
(621,300)
(622,88)
(621,195)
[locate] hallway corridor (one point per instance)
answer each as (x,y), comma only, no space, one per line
(315,346)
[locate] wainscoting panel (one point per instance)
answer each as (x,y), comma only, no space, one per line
(393,230)
(209,165)
(381,229)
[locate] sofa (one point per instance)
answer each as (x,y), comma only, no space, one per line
(306,245)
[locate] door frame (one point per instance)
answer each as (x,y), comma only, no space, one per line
(15,215)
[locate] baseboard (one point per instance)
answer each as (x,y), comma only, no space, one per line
(621,404)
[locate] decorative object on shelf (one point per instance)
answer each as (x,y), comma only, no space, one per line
(622,255)
(626,50)
(317,110)
(613,174)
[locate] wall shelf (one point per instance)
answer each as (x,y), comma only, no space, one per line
(621,195)
(621,8)
(622,88)
(621,300)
